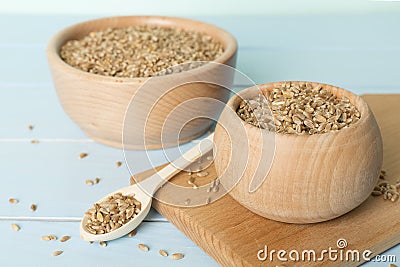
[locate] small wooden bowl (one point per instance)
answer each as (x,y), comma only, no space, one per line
(98,103)
(308,178)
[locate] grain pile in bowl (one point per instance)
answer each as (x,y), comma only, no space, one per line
(111,213)
(139,51)
(299,108)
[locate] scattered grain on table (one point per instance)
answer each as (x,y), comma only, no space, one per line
(163,253)
(15,227)
(33,207)
(48,237)
(45,238)
(57,253)
(177,256)
(132,233)
(143,247)
(65,238)
(13,201)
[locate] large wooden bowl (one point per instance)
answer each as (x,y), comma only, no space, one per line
(308,178)
(98,103)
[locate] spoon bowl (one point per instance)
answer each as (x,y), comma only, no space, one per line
(132,190)
(145,190)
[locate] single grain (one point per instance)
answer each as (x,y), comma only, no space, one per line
(143,247)
(15,227)
(65,238)
(177,256)
(163,253)
(13,201)
(46,238)
(57,253)
(33,207)
(133,233)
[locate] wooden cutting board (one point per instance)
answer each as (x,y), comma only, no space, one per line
(233,235)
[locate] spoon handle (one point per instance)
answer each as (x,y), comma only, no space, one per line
(154,182)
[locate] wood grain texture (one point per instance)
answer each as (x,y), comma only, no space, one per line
(300,178)
(99,104)
(233,235)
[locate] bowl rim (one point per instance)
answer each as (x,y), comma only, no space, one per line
(228,41)
(356,100)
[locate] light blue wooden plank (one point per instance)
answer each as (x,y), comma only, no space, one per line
(34,29)
(21,106)
(52,176)
(25,248)
(365,45)
(358,71)
(347,31)
(351,68)
(26,64)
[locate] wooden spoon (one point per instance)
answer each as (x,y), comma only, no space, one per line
(145,190)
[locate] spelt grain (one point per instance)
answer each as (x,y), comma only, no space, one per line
(177,256)
(33,207)
(132,233)
(15,227)
(143,247)
(111,214)
(139,51)
(65,238)
(57,253)
(299,108)
(13,201)
(163,253)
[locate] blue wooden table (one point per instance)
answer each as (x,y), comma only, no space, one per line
(358,52)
